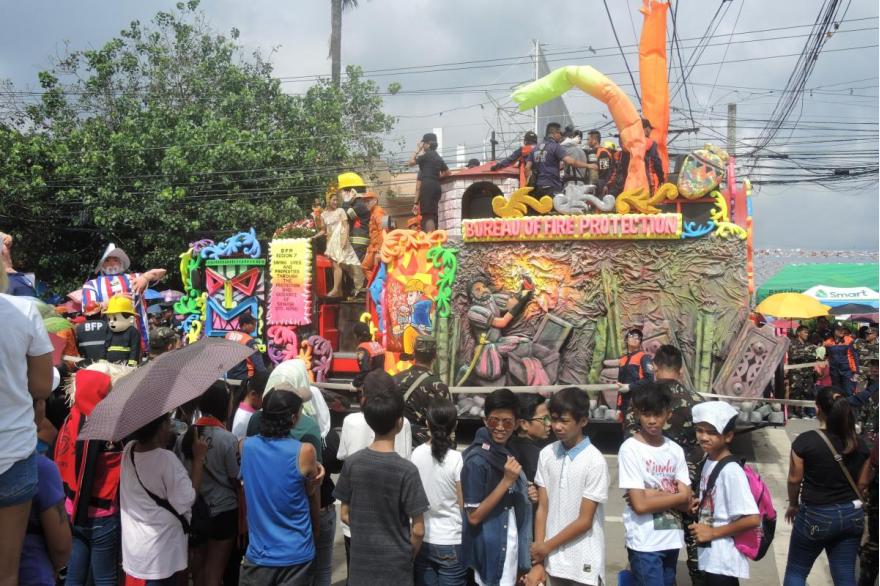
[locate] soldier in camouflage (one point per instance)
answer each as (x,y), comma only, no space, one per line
(801,381)
(420,387)
(866,348)
(680,429)
(868,560)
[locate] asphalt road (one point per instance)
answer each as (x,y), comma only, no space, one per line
(767,449)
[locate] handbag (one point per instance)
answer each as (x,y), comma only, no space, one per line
(839,459)
(159,500)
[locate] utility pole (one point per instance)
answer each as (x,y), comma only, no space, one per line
(493,142)
(731,129)
(537,58)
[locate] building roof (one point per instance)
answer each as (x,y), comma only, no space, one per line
(484,170)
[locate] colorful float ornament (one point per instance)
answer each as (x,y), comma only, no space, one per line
(519,203)
(643,201)
(724,228)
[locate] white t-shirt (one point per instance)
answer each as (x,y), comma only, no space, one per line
(240,423)
(154,545)
(357,435)
(443,520)
(24,335)
(567,482)
(730,499)
(511,554)
(644,466)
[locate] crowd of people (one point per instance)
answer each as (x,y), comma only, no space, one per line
(562,157)
(238,485)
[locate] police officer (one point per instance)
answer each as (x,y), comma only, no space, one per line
(420,387)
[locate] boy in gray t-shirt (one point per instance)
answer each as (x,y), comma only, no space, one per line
(381,493)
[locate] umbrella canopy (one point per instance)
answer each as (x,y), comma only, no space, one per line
(868,317)
(162,385)
(170,295)
(786,324)
(851,308)
(152,294)
(792,306)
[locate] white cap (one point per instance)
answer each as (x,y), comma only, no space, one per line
(716,413)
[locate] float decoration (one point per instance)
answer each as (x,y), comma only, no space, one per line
(577,198)
(290,277)
(243,243)
(724,228)
(643,201)
(580,227)
(653,74)
(444,258)
(519,202)
(702,171)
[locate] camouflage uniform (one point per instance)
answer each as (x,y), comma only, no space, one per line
(801,381)
(867,352)
(431,388)
(868,561)
(680,429)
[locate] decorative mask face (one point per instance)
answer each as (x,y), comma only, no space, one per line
(119,322)
(112,266)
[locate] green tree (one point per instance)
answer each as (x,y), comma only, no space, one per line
(168,134)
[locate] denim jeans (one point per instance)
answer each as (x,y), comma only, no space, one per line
(836,529)
(653,568)
(324,548)
(440,565)
(19,483)
(95,547)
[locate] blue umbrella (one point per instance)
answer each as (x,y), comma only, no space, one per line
(151,294)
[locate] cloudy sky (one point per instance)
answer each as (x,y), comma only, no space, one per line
(487,46)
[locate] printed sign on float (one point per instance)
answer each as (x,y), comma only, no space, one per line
(576,227)
(290,275)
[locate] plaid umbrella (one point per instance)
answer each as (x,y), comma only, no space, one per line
(162,385)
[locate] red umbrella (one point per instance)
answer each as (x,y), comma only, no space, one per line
(162,385)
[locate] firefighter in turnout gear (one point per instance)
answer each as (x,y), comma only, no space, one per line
(123,341)
(843,359)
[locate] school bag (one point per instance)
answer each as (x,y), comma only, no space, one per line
(753,543)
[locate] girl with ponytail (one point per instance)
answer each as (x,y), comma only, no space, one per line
(828,475)
(440,558)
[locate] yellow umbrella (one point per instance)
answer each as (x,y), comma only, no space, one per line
(792,306)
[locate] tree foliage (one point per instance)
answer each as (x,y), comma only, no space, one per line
(167,134)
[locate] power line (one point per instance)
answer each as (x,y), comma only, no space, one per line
(625,62)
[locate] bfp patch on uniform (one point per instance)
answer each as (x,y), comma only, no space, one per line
(486,446)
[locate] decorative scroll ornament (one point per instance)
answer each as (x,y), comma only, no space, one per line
(577,199)
(642,201)
(519,203)
(720,215)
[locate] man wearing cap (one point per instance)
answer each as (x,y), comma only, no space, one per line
(431,168)
(520,156)
(634,366)
(113,279)
(91,335)
(420,387)
(162,339)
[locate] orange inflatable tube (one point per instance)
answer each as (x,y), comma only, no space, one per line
(653,74)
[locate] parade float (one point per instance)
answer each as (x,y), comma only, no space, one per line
(521,291)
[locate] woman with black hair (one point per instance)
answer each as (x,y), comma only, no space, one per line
(439,560)
(431,168)
(217,521)
(156,496)
(827,478)
(282,501)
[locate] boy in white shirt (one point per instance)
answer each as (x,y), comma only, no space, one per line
(654,474)
(729,507)
(572,480)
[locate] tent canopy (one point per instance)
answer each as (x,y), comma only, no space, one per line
(800,278)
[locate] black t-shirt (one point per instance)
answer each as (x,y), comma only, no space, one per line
(430,166)
(527,451)
(824,482)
